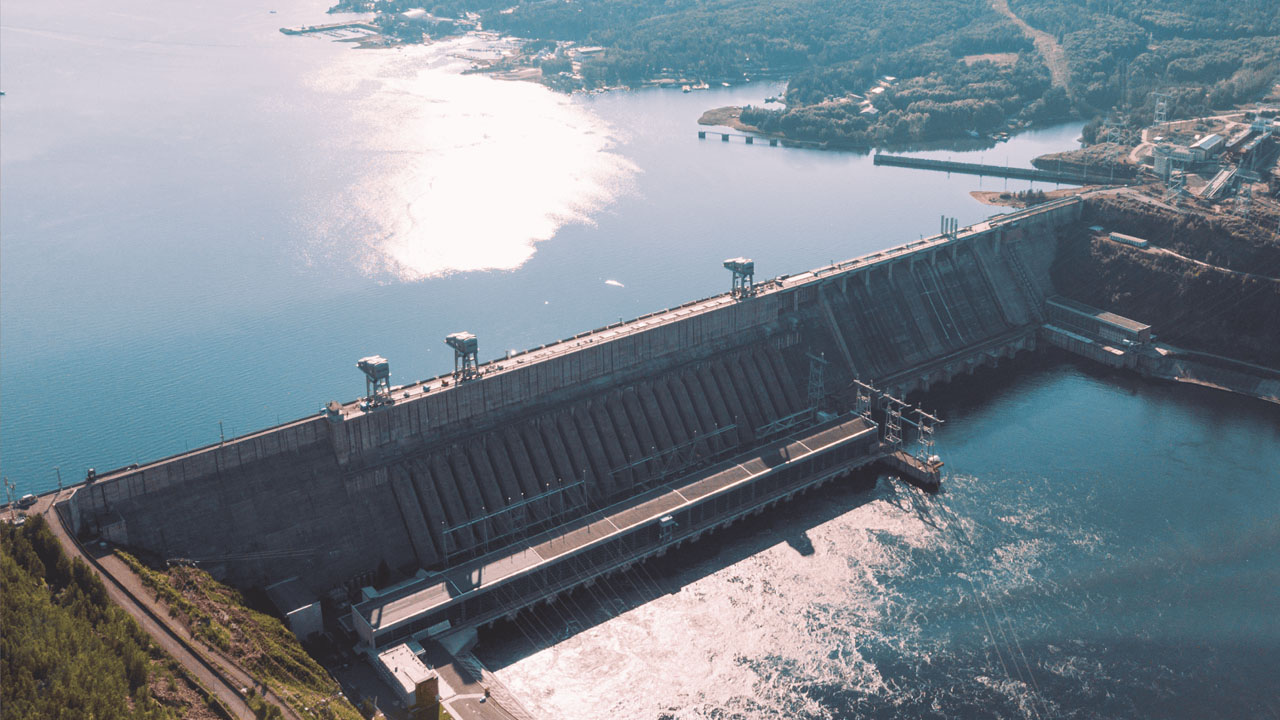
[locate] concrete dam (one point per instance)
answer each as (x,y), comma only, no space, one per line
(509,481)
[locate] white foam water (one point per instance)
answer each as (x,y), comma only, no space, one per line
(755,636)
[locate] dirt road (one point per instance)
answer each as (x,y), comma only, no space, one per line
(1050,50)
(157,629)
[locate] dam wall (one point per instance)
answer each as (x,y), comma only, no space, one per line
(456,468)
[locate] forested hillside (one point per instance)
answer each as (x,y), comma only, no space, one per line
(1228,306)
(68,652)
(960,65)
(1206,54)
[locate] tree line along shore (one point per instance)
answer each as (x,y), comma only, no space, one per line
(890,71)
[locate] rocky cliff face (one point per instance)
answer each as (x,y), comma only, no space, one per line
(1219,293)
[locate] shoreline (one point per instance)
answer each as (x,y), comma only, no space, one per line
(510,67)
(1191,367)
(1004,198)
(730,116)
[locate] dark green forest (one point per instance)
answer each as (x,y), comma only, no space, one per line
(66,651)
(1206,54)
(961,67)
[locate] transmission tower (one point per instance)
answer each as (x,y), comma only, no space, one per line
(924,436)
(1176,187)
(862,401)
(1113,128)
(9,490)
(1244,199)
(1164,103)
(893,426)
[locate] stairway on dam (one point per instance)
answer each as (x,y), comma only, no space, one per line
(455,469)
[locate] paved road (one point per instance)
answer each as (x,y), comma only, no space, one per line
(121,574)
(159,632)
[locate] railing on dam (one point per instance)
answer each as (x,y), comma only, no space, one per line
(647,322)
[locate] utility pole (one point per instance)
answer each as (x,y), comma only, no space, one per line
(9,489)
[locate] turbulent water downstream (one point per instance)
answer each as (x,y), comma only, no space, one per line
(1103,549)
(207,221)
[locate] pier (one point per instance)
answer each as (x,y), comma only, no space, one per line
(1084,177)
(354,25)
(772,141)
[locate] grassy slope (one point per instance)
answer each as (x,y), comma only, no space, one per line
(259,643)
(68,652)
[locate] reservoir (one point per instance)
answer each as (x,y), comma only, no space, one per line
(207,222)
(210,221)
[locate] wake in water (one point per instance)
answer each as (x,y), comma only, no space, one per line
(467,172)
(983,602)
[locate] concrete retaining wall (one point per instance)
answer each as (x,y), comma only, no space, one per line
(448,471)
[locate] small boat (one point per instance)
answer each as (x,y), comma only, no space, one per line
(685,88)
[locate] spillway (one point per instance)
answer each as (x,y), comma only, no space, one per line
(456,472)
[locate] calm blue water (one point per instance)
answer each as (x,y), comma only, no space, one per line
(205,220)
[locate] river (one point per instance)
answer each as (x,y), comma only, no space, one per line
(206,222)
(1103,548)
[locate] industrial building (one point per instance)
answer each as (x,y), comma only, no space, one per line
(416,686)
(299,608)
(1207,147)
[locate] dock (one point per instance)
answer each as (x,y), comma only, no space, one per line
(353,25)
(772,141)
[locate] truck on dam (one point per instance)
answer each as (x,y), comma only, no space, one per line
(504,483)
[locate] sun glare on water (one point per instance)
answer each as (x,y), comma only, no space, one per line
(469,172)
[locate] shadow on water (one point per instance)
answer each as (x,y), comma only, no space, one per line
(533,630)
(968,395)
(1145,598)
(801,543)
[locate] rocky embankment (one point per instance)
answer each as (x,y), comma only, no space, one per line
(1219,294)
(1094,160)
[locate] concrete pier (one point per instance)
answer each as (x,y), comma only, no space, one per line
(1019,173)
(773,141)
(355,25)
